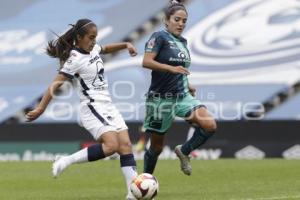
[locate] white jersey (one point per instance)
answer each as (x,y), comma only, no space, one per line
(97,113)
(89,69)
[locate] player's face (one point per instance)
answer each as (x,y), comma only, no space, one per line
(88,41)
(176,23)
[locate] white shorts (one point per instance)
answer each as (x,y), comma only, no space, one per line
(101,117)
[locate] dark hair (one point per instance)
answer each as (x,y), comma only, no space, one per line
(61,47)
(174,6)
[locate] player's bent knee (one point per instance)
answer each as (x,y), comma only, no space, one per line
(210,126)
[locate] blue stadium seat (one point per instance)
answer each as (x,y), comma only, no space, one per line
(25,29)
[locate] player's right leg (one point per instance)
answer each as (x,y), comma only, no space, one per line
(108,145)
(151,155)
(127,161)
(158,120)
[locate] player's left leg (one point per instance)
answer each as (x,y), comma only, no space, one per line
(127,162)
(205,126)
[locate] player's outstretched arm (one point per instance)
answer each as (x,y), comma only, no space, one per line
(111,48)
(57,82)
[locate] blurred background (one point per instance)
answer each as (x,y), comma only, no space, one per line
(245,66)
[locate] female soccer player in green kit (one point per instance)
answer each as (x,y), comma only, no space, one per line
(170,93)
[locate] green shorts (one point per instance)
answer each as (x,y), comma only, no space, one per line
(161,112)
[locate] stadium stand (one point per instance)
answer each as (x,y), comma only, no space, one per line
(233,71)
(234,66)
(288,101)
(25,69)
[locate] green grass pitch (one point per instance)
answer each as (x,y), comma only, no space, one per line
(273,179)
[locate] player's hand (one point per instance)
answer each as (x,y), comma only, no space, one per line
(131,49)
(179,70)
(192,90)
(34,114)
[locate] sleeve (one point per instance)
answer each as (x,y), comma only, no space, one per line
(98,48)
(154,44)
(71,67)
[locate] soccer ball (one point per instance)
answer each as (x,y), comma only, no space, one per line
(144,187)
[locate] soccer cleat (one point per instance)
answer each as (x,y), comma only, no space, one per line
(59,165)
(184,161)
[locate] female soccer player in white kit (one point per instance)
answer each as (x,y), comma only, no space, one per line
(79,56)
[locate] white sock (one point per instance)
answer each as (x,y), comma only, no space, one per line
(129,173)
(79,156)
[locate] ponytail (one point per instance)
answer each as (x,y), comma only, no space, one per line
(61,47)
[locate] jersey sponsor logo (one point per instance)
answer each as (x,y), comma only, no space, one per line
(179,60)
(181,57)
(94,59)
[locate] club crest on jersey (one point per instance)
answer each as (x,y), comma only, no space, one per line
(151,43)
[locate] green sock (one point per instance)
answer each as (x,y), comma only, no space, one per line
(150,159)
(199,137)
